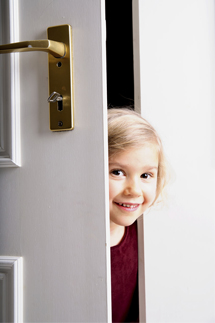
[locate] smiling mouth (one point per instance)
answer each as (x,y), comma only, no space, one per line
(130,206)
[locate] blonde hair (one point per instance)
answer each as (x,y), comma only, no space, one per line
(127,129)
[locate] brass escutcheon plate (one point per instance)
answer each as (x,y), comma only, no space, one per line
(61,80)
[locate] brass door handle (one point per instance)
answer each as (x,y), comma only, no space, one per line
(57,49)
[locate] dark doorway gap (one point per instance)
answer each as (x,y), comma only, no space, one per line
(119,49)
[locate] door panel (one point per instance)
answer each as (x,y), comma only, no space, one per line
(53,208)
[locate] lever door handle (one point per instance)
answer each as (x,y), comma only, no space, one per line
(55,48)
(59,49)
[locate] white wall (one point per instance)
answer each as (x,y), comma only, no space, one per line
(177,59)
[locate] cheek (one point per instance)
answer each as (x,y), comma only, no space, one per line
(152,192)
(115,188)
(112,190)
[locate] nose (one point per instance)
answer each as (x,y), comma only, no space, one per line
(133,188)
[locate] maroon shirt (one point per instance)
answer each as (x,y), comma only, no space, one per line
(124,279)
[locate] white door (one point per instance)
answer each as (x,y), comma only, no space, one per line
(53,209)
(175,90)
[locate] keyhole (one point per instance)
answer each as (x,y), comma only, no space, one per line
(60,105)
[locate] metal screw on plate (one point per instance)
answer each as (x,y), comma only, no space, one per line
(60,123)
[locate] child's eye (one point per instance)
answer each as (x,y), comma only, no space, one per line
(117,172)
(146,175)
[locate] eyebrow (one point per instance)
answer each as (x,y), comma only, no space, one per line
(125,165)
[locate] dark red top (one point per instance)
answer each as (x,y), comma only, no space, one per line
(124,280)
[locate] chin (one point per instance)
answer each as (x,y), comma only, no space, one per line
(126,222)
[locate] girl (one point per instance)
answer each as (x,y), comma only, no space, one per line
(137,176)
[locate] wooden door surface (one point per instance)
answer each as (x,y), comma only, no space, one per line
(53,210)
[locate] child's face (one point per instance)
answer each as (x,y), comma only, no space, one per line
(132,183)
